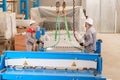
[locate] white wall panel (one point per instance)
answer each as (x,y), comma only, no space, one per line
(108,16)
(93,11)
(103,14)
(118,16)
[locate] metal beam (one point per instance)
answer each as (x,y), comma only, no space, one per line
(24,8)
(36,3)
(3,5)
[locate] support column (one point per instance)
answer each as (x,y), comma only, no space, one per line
(36,3)
(24,8)
(3,5)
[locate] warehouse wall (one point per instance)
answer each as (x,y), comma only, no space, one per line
(83,2)
(118,16)
(105,13)
(93,11)
(108,16)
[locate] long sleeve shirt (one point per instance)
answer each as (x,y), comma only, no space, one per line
(30,36)
(90,40)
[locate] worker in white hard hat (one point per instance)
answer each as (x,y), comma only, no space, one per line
(89,37)
(30,36)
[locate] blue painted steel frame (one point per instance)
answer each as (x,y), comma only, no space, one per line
(56,75)
(3,5)
(50,77)
(56,55)
(98,47)
(24,9)
(40,33)
(36,4)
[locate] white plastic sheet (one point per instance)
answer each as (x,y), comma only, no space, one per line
(105,13)
(7,25)
(49,13)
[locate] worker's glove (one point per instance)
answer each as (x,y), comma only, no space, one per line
(100,40)
(79,41)
(38,42)
(42,42)
(81,44)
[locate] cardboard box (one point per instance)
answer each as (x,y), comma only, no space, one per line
(20,48)
(20,42)
(21,30)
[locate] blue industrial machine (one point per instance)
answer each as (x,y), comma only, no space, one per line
(36,3)
(3,5)
(98,47)
(24,8)
(50,66)
(40,33)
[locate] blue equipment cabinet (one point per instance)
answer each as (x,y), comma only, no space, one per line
(9,72)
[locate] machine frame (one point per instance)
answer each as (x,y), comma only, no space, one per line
(8,73)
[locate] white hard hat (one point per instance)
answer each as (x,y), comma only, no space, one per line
(89,21)
(32,22)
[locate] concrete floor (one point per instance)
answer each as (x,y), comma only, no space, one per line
(111,55)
